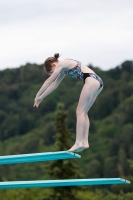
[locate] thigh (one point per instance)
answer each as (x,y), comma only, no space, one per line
(88,95)
(94,98)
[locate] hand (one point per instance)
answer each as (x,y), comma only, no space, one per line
(37,102)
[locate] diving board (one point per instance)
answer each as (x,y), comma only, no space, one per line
(56,183)
(37,157)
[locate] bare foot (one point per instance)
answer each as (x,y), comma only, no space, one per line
(86,146)
(83,148)
(76,148)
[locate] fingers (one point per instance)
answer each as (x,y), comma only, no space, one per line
(35,105)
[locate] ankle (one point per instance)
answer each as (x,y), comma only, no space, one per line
(79,143)
(86,143)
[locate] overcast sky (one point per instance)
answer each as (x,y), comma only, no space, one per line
(97,32)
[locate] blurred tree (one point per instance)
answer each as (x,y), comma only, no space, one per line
(63,169)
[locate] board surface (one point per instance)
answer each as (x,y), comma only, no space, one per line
(37,157)
(56,183)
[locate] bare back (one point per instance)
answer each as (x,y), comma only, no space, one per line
(69,64)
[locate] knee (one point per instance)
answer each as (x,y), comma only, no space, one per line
(77,112)
(80,112)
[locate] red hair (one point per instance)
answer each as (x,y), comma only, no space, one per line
(49,61)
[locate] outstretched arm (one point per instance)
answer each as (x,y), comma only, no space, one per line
(49,81)
(51,88)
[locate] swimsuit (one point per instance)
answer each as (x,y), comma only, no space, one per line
(76,72)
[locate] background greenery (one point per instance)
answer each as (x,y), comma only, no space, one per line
(24,129)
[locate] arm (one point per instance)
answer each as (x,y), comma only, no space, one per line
(53,86)
(49,81)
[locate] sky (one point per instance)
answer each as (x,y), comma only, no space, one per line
(97,32)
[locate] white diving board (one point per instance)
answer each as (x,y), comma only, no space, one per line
(37,157)
(56,183)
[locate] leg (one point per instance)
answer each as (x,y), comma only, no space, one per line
(87,123)
(86,100)
(86,133)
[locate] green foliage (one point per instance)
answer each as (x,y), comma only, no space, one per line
(24,129)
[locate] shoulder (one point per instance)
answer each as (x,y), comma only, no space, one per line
(62,64)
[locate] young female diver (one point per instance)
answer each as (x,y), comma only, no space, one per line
(93,85)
